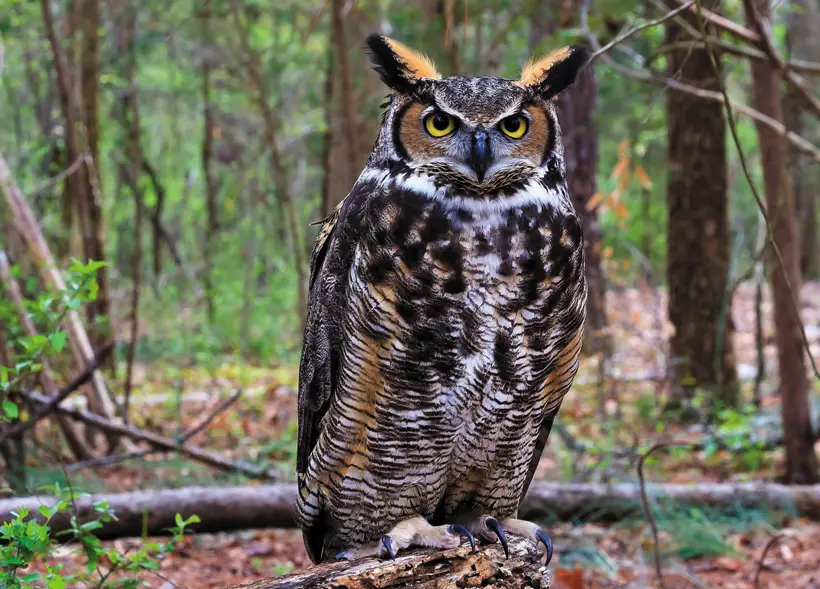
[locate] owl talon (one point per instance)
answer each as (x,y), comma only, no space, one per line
(459,529)
(495,527)
(387,546)
(544,538)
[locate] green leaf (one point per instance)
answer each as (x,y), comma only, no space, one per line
(57,340)
(10,409)
(56,582)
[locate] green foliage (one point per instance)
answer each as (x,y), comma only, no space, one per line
(46,309)
(27,540)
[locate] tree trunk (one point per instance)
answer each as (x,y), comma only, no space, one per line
(352,122)
(801,461)
(274,505)
(211,190)
(698,244)
(426,569)
(82,184)
(803,25)
(130,113)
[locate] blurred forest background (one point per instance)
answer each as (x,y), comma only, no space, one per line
(163,167)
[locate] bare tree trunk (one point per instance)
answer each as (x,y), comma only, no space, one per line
(803,24)
(212,227)
(338,47)
(450,38)
(278,168)
(81,183)
(801,461)
(131,126)
(698,244)
(351,126)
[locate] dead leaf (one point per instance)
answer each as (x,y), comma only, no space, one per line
(643,177)
(728,563)
(565,579)
(620,168)
(594,200)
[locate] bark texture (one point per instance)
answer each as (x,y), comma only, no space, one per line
(274,505)
(698,244)
(801,461)
(352,94)
(422,569)
(803,25)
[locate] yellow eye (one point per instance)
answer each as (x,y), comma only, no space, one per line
(439,124)
(514,126)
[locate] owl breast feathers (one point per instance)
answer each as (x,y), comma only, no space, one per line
(446,309)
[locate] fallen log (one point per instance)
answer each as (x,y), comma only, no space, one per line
(273,506)
(423,569)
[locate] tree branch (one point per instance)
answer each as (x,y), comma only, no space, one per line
(44,410)
(659,80)
(135,433)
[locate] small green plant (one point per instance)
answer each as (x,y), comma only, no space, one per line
(25,542)
(47,311)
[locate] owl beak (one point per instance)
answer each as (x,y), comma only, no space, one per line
(480,153)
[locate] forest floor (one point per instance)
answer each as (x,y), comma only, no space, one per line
(612,422)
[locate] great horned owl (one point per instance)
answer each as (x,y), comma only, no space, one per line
(447,303)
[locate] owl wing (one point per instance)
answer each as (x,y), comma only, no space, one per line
(557,384)
(316,370)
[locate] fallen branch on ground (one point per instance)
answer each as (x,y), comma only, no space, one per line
(273,506)
(45,410)
(425,569)
(112,459)
(138,434)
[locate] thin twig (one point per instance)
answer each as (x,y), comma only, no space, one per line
(656,550)
(59,177)
(656,79)
(221,408)
(646,25)
(770,544)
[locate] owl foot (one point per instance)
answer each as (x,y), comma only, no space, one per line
(414,532)
(490,529)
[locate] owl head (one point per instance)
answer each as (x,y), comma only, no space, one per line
(479,134)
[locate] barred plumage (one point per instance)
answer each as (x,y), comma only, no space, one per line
(445,319)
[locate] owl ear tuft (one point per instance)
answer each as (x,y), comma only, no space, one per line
(398,66)
(553,73)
